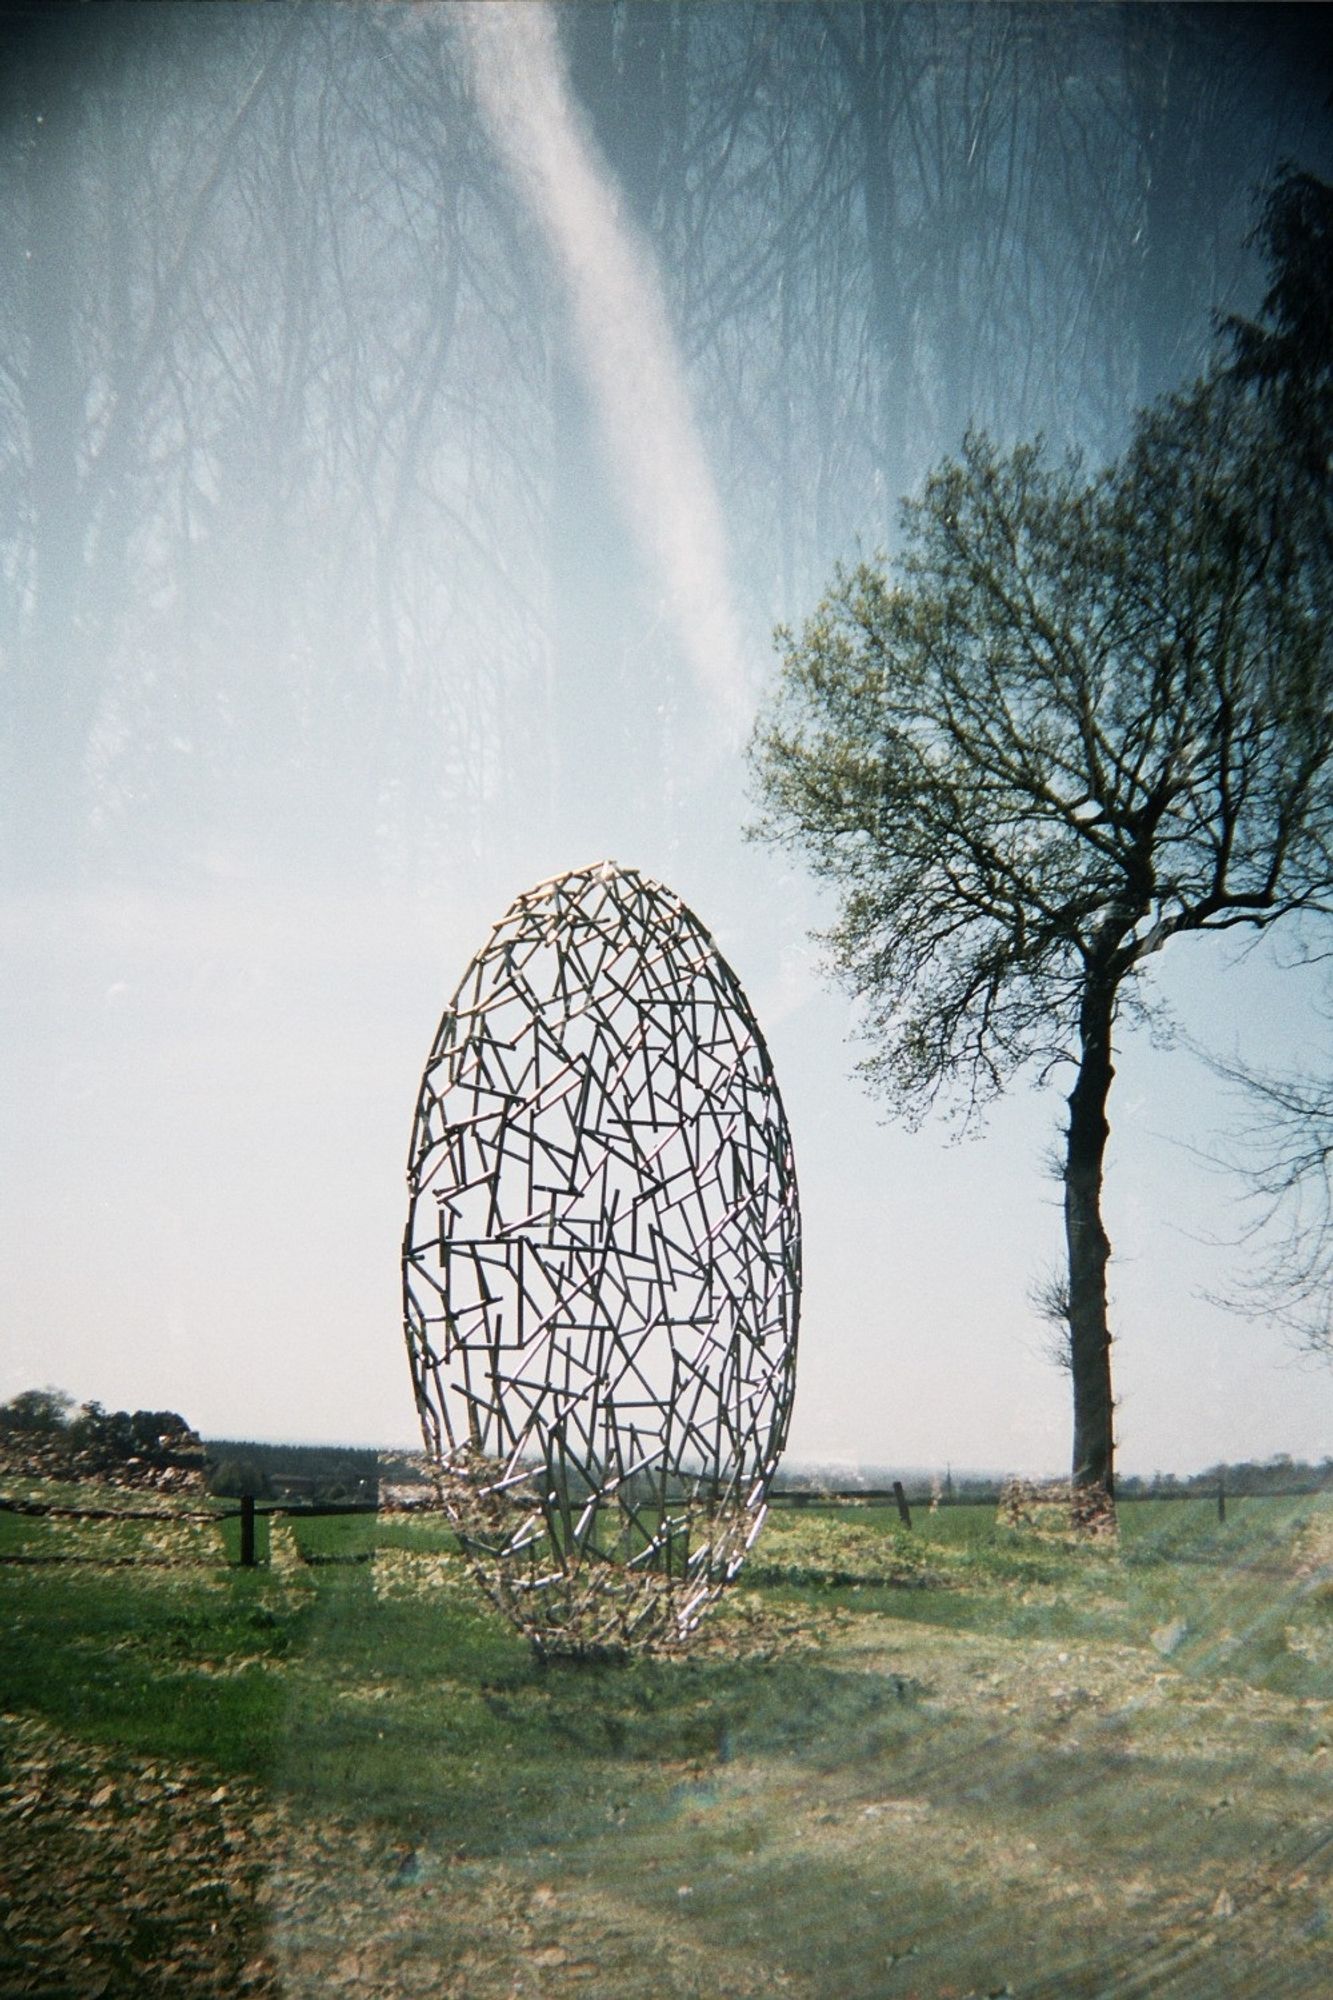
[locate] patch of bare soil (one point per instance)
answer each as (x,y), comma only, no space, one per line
(119,1876)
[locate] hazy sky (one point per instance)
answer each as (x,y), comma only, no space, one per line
(484,594)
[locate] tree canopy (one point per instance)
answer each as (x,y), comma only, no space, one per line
(1092,714)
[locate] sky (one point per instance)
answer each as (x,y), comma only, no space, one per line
(461,496)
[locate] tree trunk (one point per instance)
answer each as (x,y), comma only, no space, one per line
(1089,1252)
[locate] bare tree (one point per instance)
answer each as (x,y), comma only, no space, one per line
(1090,717)
(1283,1151)
(1285,1155)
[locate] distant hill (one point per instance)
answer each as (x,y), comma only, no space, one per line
(916,1479)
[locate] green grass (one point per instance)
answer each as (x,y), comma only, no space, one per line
(344,1537)
(101,1656)
(120,1651)
(903,1762)
(1176,1565)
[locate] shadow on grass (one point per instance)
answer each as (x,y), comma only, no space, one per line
(411,1709)
(158,1663)
(725,1825)
(326,1688)
(438,1717)
(816,1813)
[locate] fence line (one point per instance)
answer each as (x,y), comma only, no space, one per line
(301,1507)
(246,1513)
(103,1513)
(249,1509)
(799,1496)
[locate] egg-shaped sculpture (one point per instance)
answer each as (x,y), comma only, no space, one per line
(601,1267)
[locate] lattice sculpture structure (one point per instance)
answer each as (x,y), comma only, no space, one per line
(601,1268)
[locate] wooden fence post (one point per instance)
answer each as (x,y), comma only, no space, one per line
(1221,1499)
(247,1531)
(904,1511)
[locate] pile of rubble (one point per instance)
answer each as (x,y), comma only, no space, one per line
(1056,1507)
(146,1452)
(407,1483)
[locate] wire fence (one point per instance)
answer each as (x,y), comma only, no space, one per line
(907,1504)
(248,1510)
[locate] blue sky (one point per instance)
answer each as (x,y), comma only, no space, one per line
(216,1008)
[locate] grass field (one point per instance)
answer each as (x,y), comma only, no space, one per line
(968,1761)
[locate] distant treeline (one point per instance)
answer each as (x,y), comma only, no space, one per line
(1273,1475)
(316,1472)
(950,1485)
(341,1472)
(1280,1474)
(41,1430)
